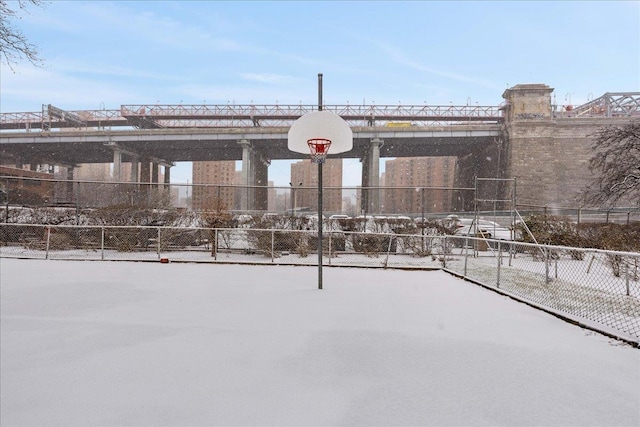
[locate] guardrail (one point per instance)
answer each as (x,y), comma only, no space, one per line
(250,115)
(595,288)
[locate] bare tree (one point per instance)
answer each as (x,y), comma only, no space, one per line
(13,44)
(616,165)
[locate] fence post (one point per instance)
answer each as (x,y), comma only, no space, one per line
(499,263)
(593,257)
(273,238)
(626,269)
(546,266)
(330,234)
(158,244)
(386,261)
(215,244)
(102,243)
(512,251)
(444,252)
(46,254)
(466,254)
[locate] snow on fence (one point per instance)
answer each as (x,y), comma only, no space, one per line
(594,287)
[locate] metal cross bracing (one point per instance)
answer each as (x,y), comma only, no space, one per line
(611,104)
(149,116)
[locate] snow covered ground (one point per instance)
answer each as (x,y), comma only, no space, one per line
(148,344)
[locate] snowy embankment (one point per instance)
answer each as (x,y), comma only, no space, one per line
(150,344)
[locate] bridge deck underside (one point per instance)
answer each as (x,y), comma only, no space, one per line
(73,148)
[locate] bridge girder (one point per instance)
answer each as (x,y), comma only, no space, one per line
(173,145)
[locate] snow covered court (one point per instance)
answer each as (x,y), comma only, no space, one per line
(149,344)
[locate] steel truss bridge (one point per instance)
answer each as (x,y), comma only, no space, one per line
(148,116)
(203,132)
(611,104)
(154,116)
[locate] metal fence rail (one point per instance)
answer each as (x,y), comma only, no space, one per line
(599,289)
(588,285)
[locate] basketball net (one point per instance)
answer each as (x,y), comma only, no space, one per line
(319,148)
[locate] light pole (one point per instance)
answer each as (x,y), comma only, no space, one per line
(320,164)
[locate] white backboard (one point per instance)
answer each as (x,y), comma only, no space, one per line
(320,124)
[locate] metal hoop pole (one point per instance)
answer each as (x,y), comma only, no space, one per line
(320,194)
(320,225)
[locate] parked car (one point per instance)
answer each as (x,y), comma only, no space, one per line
(482,228)
(337,217)
(492,231)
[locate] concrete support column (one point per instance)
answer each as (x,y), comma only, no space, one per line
(134,170)
(371,177)
(133,189)
(155,188)
(145,171)
(117,165)
(166,191)
(364,194)
(247,194)
(145,179)
(262,183)
(70,196)
(155,171)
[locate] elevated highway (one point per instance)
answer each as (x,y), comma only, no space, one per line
(202,144)
(241,116)
(545,147)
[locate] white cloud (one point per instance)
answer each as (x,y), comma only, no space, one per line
(67,65)
(31,87)
(396,54)
(263,78)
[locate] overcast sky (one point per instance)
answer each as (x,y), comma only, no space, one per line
(105,54)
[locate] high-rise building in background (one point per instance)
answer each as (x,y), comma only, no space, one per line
(304,180)
(420,176)
(212,185)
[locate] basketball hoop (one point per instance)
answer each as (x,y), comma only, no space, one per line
(319,148)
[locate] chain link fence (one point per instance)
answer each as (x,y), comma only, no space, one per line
(593,287)
(596,288)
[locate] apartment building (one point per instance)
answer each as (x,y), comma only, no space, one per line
(304,178)
(212,185)
(426,181)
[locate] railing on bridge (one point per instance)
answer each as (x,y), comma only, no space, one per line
(149,116)
(611,104)
(183,116)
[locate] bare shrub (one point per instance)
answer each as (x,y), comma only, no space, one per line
(373,244)
(133,215)
(616,237)
(553,230)
(419,246)
(127,239)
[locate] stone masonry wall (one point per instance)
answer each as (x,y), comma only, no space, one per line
(550,159)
